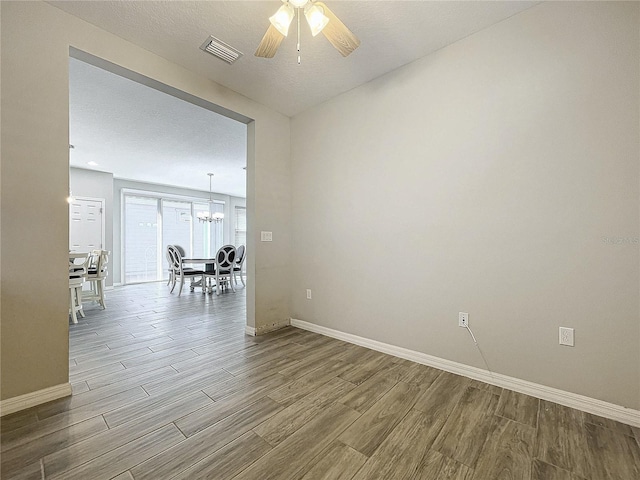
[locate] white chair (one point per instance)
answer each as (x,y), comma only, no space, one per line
(238,269)
(223,268)
(77,271)
(172,273)
(180,272)
(96,276)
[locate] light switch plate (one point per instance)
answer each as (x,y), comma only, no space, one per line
(266,236)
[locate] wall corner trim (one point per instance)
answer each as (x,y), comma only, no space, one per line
(251,331)
(568,399)
(28,400)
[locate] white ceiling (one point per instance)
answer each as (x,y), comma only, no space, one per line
(393,33)
(138,133)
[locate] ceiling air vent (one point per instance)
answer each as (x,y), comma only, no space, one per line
(220,49)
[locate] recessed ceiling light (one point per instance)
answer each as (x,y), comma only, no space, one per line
(92,163)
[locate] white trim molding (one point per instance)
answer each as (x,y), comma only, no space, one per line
(28,400)
(568,399)
(251,331)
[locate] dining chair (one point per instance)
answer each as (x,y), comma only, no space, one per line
(180,272)
(77,272)
(97,275)
(239,265)
(223,268)
(172,274)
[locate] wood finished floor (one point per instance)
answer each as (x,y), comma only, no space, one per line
(167,387)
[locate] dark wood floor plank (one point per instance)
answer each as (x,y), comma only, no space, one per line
(229,460)
(372,428)
(300,388)
(561,438)
(32,471)
(467,427)
(244,395)
(288,421)
(418,374)
(15,459)
(123,458)
(518,407)
(608,423)
(365,395)
(197,447)
(91,396)
(363,371)
(400,454)
(544,471)
(441,397)
(508,451)
(434,466)
(18,420)
(337,462)
(289,459)
(62,420)
(190,382)
(81,452)
(610,455)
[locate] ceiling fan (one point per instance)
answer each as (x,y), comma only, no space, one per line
(319,18)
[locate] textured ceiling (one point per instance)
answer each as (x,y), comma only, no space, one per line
(142,134)
(138,133)
(393,33)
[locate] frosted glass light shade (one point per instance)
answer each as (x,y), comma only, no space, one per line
(282,19)
(316,18)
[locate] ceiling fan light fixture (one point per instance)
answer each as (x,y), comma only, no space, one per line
(298,3)
(316,18)
(282,18)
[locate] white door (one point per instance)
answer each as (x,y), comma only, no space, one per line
(86,224)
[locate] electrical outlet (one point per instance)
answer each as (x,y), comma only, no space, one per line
(463,319)
(308,294)
(266,236)
(566,336)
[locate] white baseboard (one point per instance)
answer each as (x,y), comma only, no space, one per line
(251,331)
(28,400)
(568,399)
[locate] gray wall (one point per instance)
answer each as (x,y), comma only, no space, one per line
(230,202)
(94,184)
(485,178)
(35,158)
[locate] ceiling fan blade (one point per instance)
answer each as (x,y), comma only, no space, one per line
(338,34)
(270,43)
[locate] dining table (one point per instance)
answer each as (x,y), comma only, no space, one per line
(209,267)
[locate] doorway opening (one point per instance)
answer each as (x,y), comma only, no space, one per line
(111,153)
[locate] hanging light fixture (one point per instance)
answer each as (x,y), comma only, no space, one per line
(210,216)
(282,18)
(316,18)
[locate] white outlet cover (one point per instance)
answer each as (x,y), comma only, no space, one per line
(463,319)
(566,336)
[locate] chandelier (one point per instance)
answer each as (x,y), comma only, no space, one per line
(210,216)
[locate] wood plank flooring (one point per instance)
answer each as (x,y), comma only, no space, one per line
(169,387)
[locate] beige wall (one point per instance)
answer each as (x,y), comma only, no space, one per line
(35,49)
(484,178)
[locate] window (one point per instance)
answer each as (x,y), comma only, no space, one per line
(241,226)
(152,222)
(141,240)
